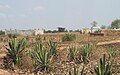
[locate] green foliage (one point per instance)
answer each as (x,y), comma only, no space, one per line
(76,71)
(38,38)
(60,29)
(2,32)
(47,31)
(94,23)
(69,37)
(72,53)
(1,39)
(40,57)
(103,68)
(12,36)
(15,49)
(53,48)
(98,31)
(86,53)
(115,24)
(111,52)
(103,27)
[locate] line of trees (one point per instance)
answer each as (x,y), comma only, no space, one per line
(114,25)
(60,29)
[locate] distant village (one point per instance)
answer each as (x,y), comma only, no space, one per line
(95,28)
(24,32)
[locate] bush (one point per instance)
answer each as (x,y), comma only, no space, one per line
(69,37)
(40,57)
(111,52)
(14,53)
(103,68)
(115,24)
(38,38)
(2,32)
(53,48)
(98,31)
(86,53)
(60,29)
(12,36)
(72,53)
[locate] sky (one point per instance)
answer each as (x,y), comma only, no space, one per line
(50,14)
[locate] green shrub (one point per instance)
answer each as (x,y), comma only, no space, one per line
(86,53)
(53,48)
(12,36)
(111,52)
(2,32)
(38,38)
(104,67)
(40,57)
(72,53)
(1,39)
(69,37)
(14,52)
(98,31)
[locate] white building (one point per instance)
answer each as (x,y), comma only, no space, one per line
(38,32)
(85,30)
(11,31)
(25,32)
(95,28)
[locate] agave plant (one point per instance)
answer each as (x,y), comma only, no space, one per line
(41,57)
(86,53)
(76,71)
(104,67)
(53,48)
(12,36)
(69,37)
(15,49)
(72,53)
(111,52)
(38,38)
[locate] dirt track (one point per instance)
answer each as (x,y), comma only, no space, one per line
(109,42)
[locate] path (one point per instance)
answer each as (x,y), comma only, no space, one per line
(108,42)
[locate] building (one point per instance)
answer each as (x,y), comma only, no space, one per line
(11,31)
(25,32)
(38,31)
(85,30)
(95,28)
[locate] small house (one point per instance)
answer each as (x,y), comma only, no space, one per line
(38,32)
(25,32)
(95,28)
(85,30)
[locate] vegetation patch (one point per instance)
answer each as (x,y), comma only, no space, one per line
(69,37)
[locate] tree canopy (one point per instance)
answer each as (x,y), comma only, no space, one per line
(115,24)
(94,23)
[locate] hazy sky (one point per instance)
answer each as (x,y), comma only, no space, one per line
(50,14)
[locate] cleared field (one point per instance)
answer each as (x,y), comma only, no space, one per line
(61,64)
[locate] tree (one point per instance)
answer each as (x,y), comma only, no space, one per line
(115,24)
(94,23)
(2,32)
(60,29)
(103,27)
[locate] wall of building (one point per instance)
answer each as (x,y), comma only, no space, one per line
(24,32)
